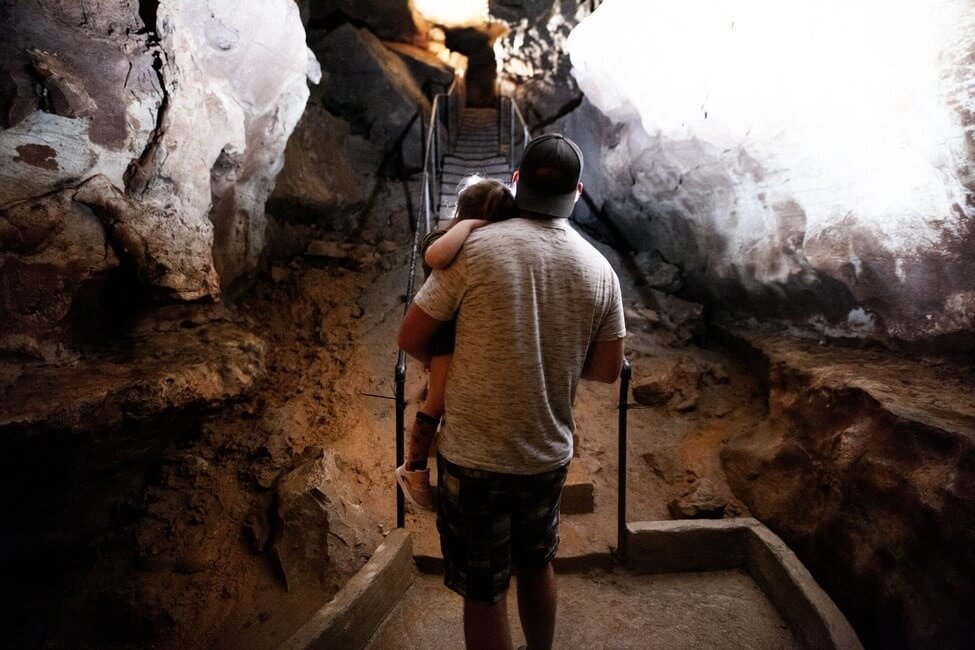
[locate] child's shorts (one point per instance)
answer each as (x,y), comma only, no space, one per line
(443,339)
(490,521)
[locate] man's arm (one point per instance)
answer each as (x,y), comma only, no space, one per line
(604,361)
(415,333)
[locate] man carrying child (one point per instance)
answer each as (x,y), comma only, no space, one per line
(537,308)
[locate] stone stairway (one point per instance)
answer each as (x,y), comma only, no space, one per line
(475,152)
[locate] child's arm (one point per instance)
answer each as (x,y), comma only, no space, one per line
(441,253)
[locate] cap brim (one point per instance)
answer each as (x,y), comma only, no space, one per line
(557,205)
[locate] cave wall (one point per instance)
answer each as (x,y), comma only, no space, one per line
(794,186)
(866,467)
(535,65)
(148,135)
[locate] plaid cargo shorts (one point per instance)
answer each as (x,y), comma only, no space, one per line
(490,521)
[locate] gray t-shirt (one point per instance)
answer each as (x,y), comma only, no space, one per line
(530,298)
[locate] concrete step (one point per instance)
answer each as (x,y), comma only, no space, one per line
(577,494)
(479,161)
(450,179)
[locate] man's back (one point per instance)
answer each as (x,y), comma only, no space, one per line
(533,296)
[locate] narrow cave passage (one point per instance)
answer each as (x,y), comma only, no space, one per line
(207,216)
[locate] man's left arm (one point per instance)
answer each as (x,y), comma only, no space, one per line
(415,333)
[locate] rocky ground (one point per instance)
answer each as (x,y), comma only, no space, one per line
(213,477)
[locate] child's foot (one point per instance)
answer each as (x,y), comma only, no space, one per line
(416,486)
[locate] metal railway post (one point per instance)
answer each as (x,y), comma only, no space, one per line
(625,374)
(400,433)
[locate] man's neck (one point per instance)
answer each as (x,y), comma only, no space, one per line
(537,216)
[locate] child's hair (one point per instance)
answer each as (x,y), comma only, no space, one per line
(484,198)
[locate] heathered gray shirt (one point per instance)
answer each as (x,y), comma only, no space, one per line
(530,297)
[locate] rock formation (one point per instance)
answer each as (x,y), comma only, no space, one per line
(842,222)
(534,60)
(865,467)
(370,86)
(392,20)
(172,133)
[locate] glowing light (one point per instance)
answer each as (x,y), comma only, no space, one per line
(850,107)
(453,13)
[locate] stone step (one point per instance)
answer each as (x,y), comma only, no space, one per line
(481,161)
(577,494)
(487,146)
(454,177)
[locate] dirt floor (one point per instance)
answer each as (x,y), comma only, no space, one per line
(610,609)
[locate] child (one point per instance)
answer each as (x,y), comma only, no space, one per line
(479,202)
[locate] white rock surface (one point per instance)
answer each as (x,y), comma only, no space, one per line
(235,77)
(812,158)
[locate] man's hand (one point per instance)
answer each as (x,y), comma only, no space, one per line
(604,361)
(415,333)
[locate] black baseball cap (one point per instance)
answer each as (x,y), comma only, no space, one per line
(548,175)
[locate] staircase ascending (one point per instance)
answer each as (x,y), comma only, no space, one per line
(475,152)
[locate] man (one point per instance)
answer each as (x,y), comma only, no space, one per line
(537,309)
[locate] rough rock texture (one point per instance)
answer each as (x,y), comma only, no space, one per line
(699,502)
(668,382)
(53,251)
(143,376)
(431,73)
(676,322)
(328,171)
(393,20)
(145,480)
(477,44)
(172,132)
(78,94)
(779,224)
(535,63)
(217,68)
(866,467)
(369,86)
(316,528)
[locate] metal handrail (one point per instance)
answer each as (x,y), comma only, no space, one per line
(432,165)
(514,115)
(624,407)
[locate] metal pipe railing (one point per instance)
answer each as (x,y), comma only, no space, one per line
(432,164)
(624,407)
(514,121)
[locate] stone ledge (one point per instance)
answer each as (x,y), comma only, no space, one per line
(145,376)
(351,618)
(673,546)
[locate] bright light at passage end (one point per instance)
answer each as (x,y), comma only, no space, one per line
(851,99)
(453,12)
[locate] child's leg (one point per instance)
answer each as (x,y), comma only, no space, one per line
(433,405)
(429,414)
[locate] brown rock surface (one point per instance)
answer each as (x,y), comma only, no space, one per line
(51,249)
(865,467)
(328,172)
(369,86)
(669,381)
(393,20)
(143,377)
(90,92)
